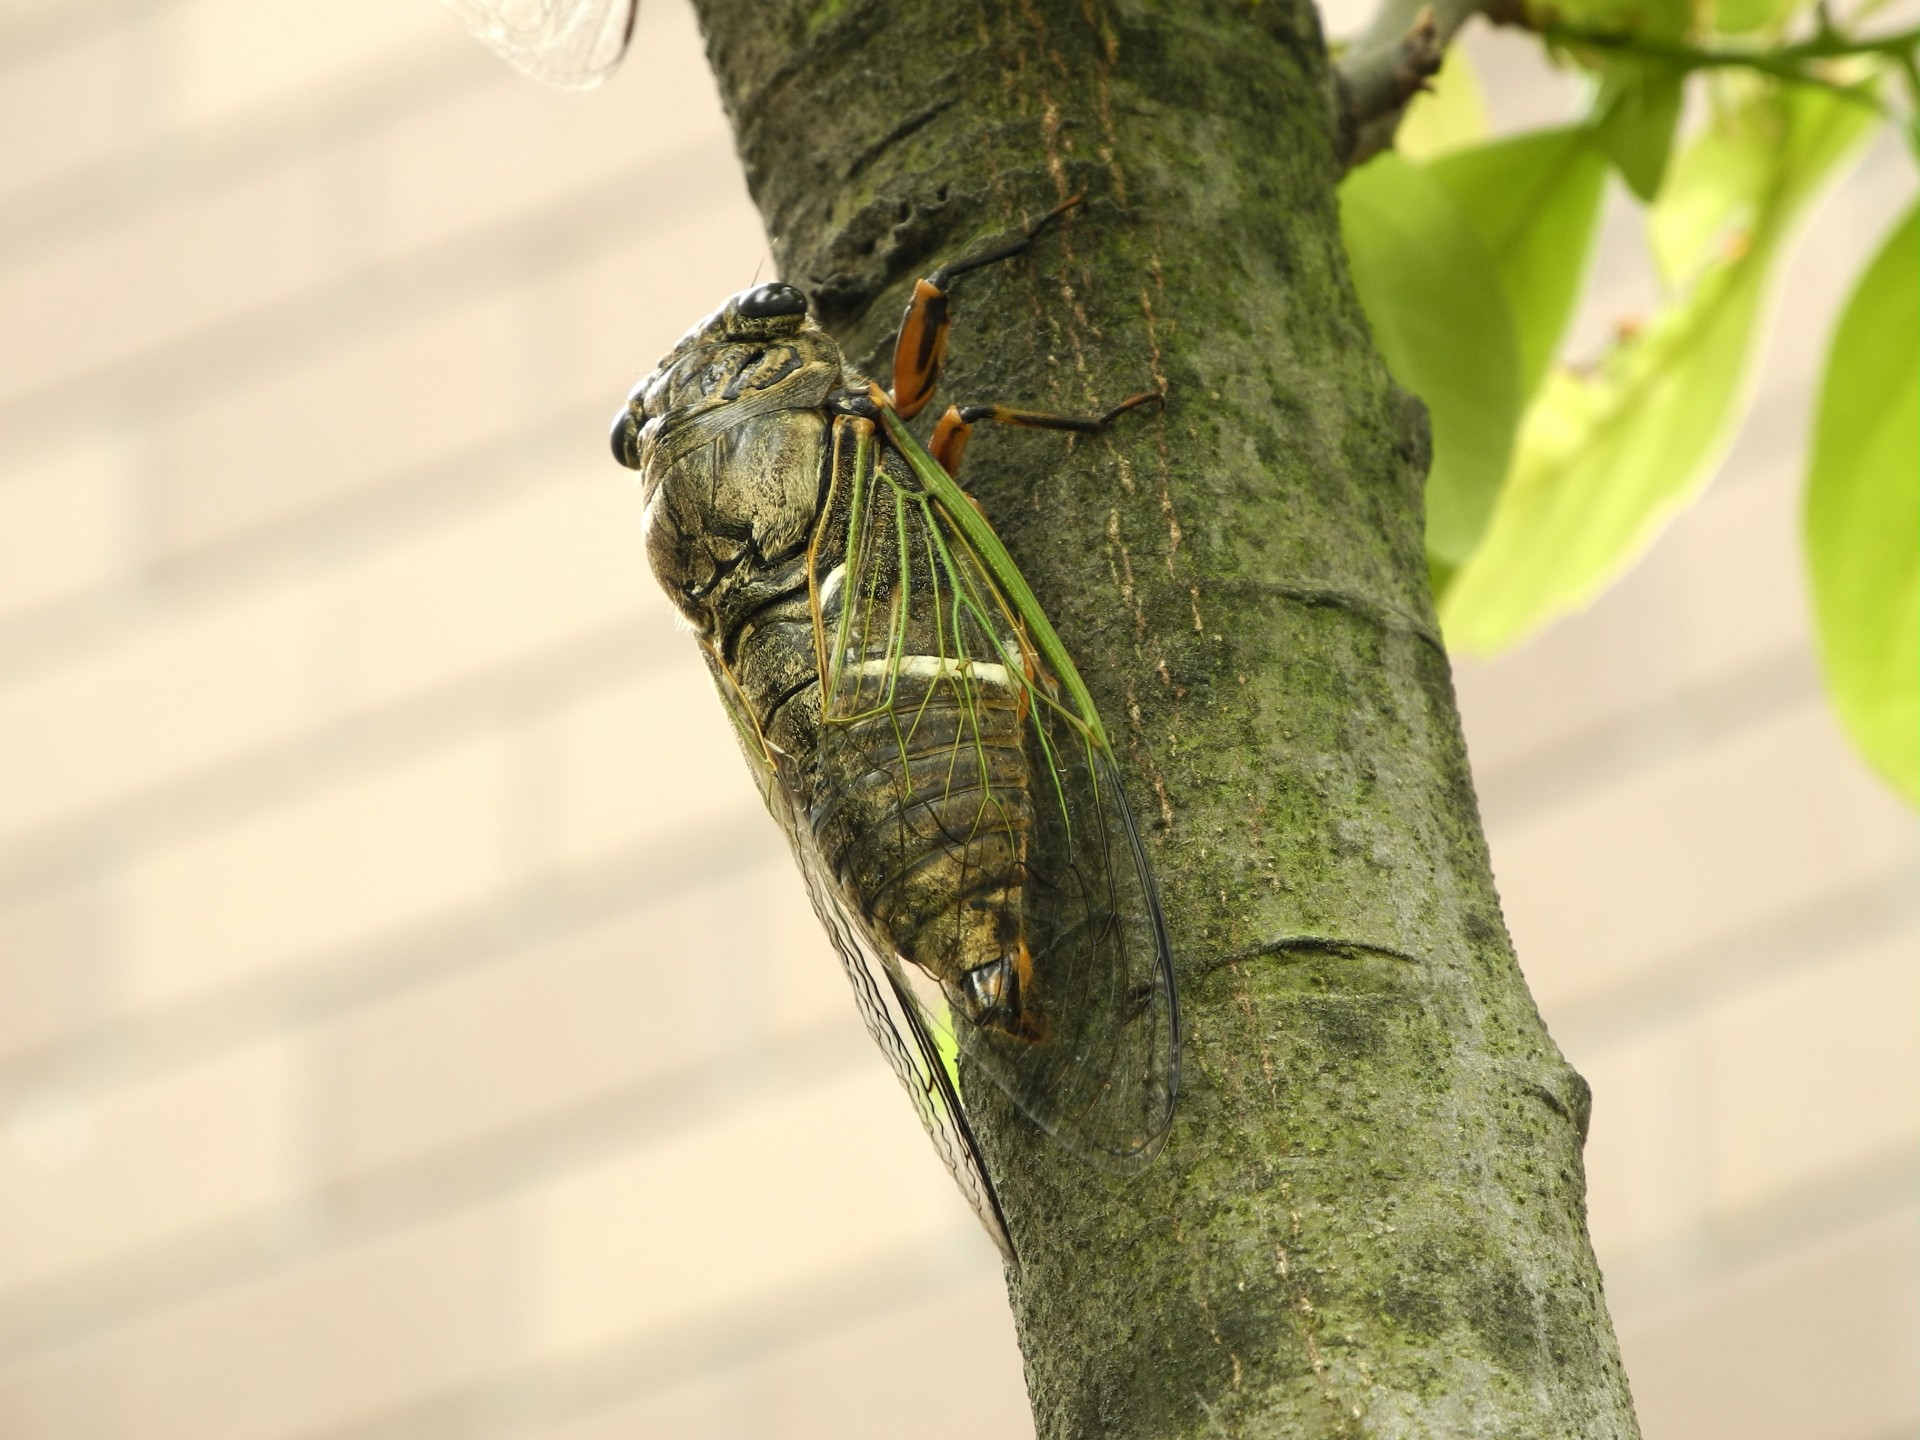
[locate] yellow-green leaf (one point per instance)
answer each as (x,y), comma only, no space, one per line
(1605,457)
(1637,109)
(1441,318)
(1534,200)
(1719,184)
(1648,19)
(1863,512)
(1741,17)
(1450,114)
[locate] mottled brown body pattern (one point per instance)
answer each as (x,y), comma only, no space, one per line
(919,804)
(916,725)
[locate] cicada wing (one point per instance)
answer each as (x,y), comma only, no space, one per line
(908,1035)
(1105,1071)
(575,44)
(925,634)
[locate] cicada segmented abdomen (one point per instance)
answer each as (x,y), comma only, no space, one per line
(924,817)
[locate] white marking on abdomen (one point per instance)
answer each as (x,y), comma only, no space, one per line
(935,667)
(830,587)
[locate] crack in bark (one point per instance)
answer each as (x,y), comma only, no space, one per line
(1308,944)
(910,126)
(1331,597)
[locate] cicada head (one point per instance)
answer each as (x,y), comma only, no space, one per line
(757,354)
(728,434)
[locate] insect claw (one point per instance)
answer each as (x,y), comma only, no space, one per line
(1073,201)
(1134,402)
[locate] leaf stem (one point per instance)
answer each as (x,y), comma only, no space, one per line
(1782,60)
(1910,72)
(1788,63)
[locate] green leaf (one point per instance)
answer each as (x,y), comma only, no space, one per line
(1743,17)
(1534,200)
(1450,114)
(1719,184)
(1644,19)
(1441,318)
(1638,108)
(1863,512)
(1604,458)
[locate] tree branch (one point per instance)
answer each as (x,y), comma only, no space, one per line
(1390,64)
(1407,39)
(1366,1219)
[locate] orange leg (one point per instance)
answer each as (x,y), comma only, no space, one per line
(950,436)
(921,347)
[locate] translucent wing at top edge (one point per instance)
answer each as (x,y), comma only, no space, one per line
(574,44)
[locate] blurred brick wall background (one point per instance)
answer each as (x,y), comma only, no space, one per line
(409,1025)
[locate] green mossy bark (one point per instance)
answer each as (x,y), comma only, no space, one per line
(1368,1220)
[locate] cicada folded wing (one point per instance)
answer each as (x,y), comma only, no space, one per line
(1101,1069)
(977,823)
(571,43)
(896,1023)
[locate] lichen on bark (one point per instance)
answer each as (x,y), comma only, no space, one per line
(1368,1220)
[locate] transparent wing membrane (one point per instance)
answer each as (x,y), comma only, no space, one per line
(572,43)
(896,1024)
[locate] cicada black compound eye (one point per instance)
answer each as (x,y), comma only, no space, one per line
(766,302)
(625,439)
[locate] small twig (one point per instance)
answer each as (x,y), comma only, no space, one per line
(1395,18)
(1407,39)
(1373,87)
(1388,65)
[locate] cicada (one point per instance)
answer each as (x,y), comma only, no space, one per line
(913,720)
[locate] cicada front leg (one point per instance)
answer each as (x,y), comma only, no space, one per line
(920,349)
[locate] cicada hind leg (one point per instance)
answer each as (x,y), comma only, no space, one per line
(955,427)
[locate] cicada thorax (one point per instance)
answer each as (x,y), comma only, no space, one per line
(728,521)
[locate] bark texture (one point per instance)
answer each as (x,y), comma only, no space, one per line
(1369,1218)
